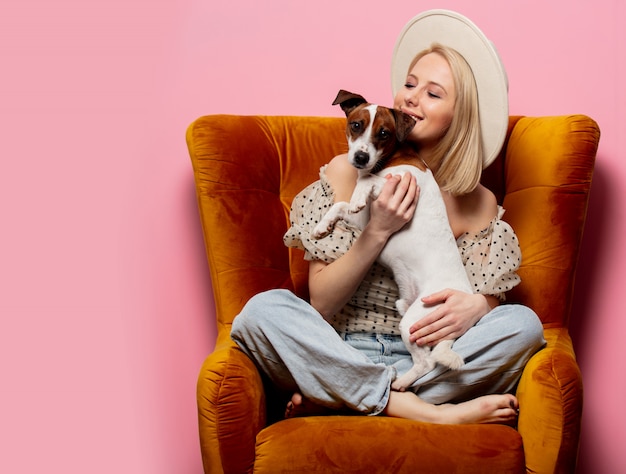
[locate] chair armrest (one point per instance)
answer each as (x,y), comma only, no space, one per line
(231,410)
(550,393)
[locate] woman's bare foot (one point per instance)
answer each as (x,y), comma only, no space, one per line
(299,406)
(488,409)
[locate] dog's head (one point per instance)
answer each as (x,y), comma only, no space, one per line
(373,131)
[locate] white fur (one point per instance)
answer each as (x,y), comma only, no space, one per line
(423,257)
(364,142)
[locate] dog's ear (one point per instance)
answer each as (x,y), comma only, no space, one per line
(404,124)
(348,101)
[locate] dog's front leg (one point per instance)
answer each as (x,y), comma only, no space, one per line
(367,188)
(339,210)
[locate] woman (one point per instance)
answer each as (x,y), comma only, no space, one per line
(343,349)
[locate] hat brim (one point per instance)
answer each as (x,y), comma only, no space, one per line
(456,31)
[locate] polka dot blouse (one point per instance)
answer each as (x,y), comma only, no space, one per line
(491,258)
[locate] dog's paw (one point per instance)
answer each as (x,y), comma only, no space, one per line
(443,354)
(355,208)
(456,362)
(453,361)
(400,384)
(398,387)
(321,230)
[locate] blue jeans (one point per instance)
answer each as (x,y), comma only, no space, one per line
(300,352)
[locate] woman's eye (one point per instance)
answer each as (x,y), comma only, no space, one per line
(433,95)
(409,85)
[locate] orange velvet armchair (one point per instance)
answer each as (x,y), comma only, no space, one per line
(247,171)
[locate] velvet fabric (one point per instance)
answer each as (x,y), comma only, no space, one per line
(248,169)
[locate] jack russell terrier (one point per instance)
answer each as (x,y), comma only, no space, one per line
(423,256)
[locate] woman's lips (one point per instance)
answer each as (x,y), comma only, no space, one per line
(411,114)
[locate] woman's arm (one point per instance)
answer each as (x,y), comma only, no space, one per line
(331,285)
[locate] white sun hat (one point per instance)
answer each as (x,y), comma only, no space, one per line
(452,29)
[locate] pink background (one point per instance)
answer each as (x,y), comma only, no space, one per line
(105,303)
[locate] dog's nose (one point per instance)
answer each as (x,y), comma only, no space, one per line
(361,159)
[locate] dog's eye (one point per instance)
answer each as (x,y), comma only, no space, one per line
(355,126)
(383,134)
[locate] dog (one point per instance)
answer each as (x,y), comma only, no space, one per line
(423,256)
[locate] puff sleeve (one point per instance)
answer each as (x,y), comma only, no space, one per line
(491,258)
(307,209)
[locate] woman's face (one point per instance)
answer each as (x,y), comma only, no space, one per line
(428,95)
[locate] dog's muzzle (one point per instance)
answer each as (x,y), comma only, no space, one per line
(361,159)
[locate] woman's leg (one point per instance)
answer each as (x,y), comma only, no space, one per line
(495,352)
(300,352)
(497,408)
(281,333)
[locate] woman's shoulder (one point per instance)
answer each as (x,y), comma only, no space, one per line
(487,200)
(485,207)
(472,212)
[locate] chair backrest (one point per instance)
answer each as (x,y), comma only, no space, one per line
(248,169)
(547,169)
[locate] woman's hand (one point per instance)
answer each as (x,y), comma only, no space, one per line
(456,314)
(395,205)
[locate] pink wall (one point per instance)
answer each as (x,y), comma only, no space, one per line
(105,304)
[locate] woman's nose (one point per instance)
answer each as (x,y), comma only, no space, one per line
(411,97)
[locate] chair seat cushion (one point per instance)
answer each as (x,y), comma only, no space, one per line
(386,445)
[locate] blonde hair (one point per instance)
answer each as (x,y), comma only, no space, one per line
(458,158)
